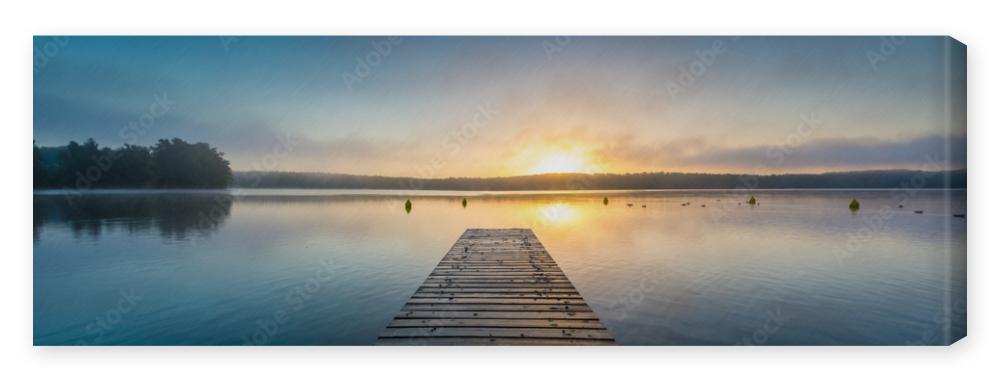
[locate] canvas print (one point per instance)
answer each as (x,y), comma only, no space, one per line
(499,190)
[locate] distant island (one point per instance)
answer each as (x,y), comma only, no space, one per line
(632,181)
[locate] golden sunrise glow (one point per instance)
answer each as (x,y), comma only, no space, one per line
(557,214)
(560,162)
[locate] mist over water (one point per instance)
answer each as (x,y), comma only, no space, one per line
(276,267)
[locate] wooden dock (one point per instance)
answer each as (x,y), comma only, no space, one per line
(496,287)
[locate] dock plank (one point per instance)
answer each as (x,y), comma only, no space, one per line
(498,307)
(485,341)
(547,333)
(497,294)
(494,323)
(505,315)
(496,287)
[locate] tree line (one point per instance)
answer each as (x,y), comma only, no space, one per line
(172,163)
(633,181)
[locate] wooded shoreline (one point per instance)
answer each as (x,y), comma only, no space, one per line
(636,181)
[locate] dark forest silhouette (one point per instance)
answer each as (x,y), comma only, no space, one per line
(170,163)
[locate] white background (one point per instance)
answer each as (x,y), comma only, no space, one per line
(974,23)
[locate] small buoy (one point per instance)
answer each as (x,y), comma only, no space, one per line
(630,204)
(854,206)
(643,206)
(703,206)
(464,202)
(900,206)
(408,206)
(752,201)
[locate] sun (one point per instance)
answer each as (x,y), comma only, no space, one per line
(559,162)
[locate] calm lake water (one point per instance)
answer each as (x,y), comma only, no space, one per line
(286,267)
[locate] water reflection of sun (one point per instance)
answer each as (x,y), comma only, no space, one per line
(558,214)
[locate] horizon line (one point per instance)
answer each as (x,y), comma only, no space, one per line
(235,171)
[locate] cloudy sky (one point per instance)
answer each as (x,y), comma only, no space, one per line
(495,106)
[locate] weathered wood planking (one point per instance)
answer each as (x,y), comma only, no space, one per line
(496,287)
